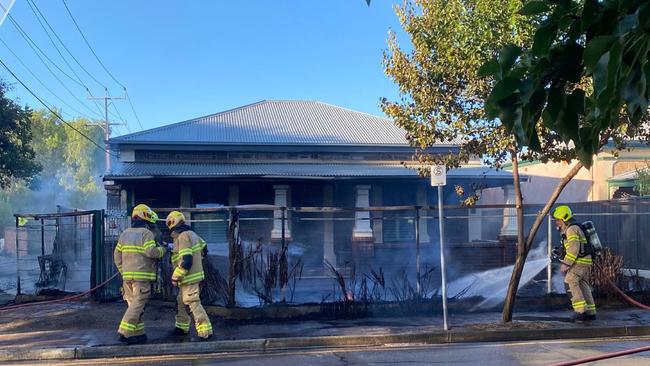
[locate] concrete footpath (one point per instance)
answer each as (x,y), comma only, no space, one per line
(88,330)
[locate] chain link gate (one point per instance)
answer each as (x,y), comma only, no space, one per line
(55,253)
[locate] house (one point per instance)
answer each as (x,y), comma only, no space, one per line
(297,154)
(611,176)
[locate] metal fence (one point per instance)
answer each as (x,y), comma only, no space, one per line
(51,253)
(261,254)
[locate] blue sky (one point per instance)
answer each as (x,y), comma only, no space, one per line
(183,59)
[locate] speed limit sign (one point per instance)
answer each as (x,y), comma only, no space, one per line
(438,175)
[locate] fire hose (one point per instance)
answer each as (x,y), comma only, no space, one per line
(74,297)
(605,356)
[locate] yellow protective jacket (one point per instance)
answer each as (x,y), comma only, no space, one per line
(136,253)
(574,238)
(187,243)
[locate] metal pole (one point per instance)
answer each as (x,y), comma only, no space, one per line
(284,215)
(441,227)
(107,132)
(17,257)
(549,241)
(417,250)
(42,237)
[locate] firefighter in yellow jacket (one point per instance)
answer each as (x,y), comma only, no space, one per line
(135,256)
(575,264)
(187,261)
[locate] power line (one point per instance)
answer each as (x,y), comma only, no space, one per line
(101,63)
(39,80)
(30,3)
(128,98)
(64,46)
(88,44)
(36,50)
(31,42)
(53,111)
(119,115)
(54,44)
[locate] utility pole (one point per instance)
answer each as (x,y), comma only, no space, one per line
(107,124)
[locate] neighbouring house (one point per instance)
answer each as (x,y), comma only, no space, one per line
(296,154)
(611,176)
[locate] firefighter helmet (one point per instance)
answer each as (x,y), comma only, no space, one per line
(563,213)
(145,213)
(174,219)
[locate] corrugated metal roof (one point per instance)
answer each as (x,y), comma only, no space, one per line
(298,170)
(629,175)
(278,122)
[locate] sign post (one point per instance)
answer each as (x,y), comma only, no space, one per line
(439,179)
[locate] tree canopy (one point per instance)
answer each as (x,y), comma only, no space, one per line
(71,173)
(441,93)
(584,77)
(17,157)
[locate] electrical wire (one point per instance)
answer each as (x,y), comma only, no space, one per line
(89,46)
(30,41)
(40,81)
(64,46)
(128,98)
(33,8)
(53,111)
(54,44)
(34,48)
(102,64)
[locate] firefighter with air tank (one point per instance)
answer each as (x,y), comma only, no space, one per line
(576,256)
(187,262)
(135,257)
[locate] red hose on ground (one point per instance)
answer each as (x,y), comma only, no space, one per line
(19,306)
(603,356)
(627,298)
(612,354)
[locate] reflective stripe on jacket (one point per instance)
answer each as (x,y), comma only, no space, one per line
(188,243)
(575,239)
(136,253)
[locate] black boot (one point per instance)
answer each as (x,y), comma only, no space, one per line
(177,332)
(140,339)
(580,317)
(202,339)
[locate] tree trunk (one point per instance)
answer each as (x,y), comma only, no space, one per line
(524,247)
(522,250)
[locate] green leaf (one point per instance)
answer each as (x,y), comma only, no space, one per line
(585,155)
(595,50)
(544,38)
(634,93)
(606,81)
(576,101)
(509,111)
(490,68)
(626,25)
(570,127)
(534,7)
(589,14)
(548,121)
(567,62)
(643,16)
(504,89)
(555,103)
(508,56)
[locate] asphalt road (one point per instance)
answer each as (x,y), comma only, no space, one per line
(483,354)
